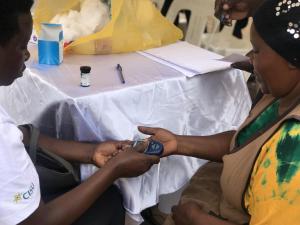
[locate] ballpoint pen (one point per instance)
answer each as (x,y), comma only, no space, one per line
(119,68)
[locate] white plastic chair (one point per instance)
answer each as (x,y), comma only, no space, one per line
(202,12)
(225,43)
(202,19)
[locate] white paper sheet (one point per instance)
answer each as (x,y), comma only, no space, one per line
(185,72)
(189,59)
(235,58)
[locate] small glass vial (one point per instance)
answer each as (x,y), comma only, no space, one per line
(85,76)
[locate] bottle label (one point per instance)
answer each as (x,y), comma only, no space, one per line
(85,80)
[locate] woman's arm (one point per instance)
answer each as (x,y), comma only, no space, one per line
(206,147)
(212,148)
(190,213)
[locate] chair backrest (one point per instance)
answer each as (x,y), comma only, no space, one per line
(226,31)
(224,43)
(201,11)
(159,3)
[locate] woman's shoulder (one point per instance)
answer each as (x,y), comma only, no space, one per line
(287,139)
(291,127)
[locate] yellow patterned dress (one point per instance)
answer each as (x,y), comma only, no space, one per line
(273,194)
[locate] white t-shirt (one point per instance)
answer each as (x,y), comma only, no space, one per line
(19,182)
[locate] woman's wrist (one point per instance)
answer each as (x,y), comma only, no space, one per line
(178,150)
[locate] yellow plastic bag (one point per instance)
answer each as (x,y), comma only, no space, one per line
(135,25)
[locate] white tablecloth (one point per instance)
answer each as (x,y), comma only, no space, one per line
(154,95)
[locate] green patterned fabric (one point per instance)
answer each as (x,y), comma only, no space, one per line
(269,115)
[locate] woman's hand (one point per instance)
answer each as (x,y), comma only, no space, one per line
(191,213)
(106,151)
(187,214)
(129,163)
(167,138)
(244,66)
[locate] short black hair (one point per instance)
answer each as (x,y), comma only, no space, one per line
(10,10)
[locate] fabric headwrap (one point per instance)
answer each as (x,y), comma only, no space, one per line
(278,23)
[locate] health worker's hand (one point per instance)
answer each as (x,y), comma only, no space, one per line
(129,163)
(107,150)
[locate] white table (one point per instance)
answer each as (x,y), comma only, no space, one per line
(154,95)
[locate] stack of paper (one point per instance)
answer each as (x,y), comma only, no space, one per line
(189,59)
